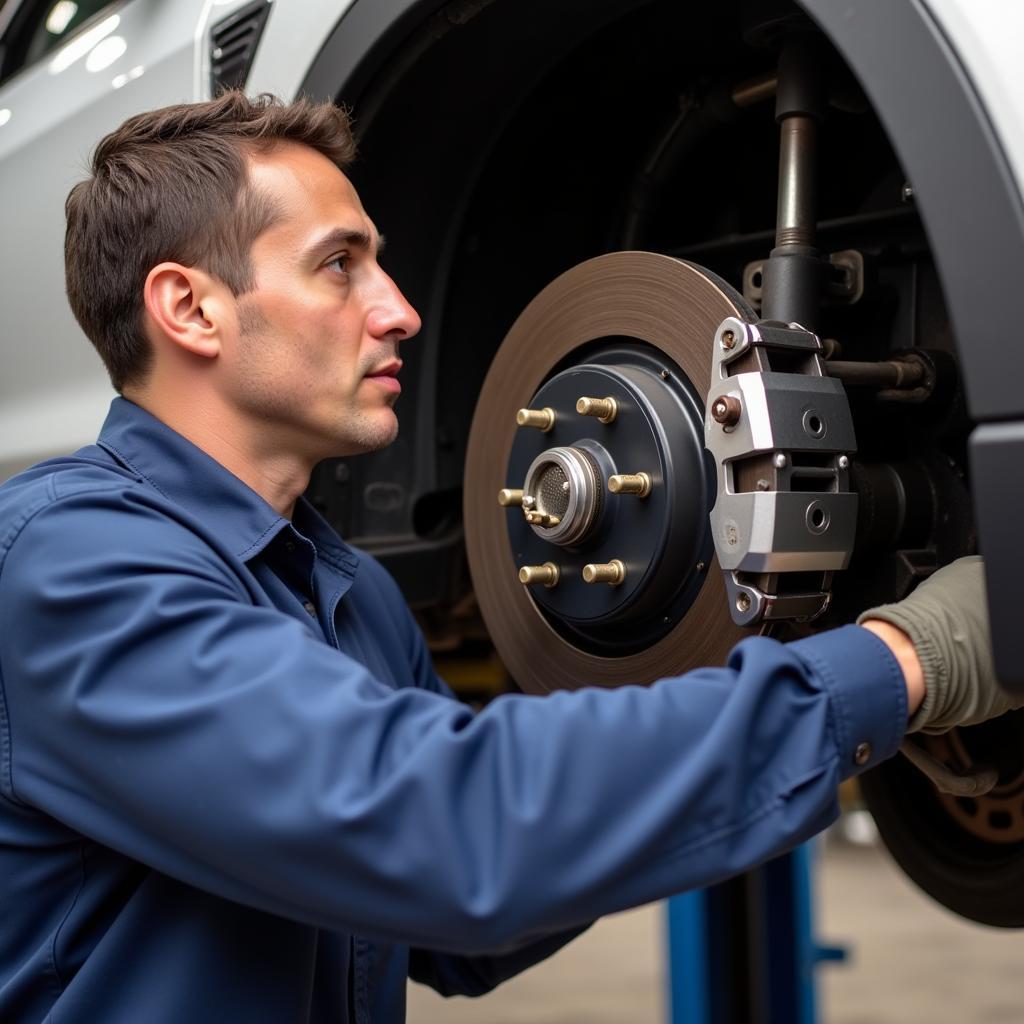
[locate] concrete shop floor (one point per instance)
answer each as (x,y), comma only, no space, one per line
(910,962)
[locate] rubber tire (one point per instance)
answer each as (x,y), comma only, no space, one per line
(979,880)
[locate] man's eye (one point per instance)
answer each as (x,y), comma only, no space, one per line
(339,264)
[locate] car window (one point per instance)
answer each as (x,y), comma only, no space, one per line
(36,27)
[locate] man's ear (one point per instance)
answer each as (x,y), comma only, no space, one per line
(187,307)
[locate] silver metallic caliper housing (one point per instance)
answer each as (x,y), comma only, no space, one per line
(781,434)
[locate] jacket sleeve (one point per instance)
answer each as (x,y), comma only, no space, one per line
(453,974)
(150,705)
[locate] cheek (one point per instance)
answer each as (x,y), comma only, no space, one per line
(311,342)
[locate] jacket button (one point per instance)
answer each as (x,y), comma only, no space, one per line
(862,754)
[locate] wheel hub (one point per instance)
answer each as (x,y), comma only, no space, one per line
(617,502)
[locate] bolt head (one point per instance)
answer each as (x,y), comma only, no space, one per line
(743,602)
(726,410)
(844,462)
(779,461)
(728,339)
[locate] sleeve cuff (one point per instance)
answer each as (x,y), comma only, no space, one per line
(867,692)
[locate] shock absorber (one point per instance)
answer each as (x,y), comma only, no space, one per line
(793,271)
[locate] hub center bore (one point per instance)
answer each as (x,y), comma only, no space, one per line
(565,485)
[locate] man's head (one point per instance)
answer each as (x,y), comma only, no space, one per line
(219,247)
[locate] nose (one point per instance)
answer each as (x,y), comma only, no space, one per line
(392,315)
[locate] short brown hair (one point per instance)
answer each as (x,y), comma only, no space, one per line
(171,184)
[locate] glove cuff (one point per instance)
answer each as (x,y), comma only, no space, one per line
(931,662)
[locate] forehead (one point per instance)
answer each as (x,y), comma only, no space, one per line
(309,192)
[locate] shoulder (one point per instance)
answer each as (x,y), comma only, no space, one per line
(85,506)
(28,493)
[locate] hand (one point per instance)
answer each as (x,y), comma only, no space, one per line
(946,618)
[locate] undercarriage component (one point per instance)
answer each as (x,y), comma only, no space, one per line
(794,272)
(692,178)
(611,532)
(780,432)
(965,852)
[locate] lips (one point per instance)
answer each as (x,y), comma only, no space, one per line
(387,375)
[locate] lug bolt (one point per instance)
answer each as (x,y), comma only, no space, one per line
(630,483)
(605,409)
(726,410)
(546,574)
(542,419)
(542,519)
(612,573)
(509,497)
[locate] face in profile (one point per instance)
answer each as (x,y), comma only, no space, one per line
(315,356)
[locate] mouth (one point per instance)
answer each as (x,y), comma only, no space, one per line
(386,376)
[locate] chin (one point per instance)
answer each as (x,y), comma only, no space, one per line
(370,434)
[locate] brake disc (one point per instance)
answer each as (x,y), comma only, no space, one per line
(587,486)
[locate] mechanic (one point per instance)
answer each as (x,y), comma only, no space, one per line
(233,787)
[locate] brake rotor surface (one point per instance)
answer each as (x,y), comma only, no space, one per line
(672,307)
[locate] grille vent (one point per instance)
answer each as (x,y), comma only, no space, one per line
(233,44)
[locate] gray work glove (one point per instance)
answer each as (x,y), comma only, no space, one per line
(947,619)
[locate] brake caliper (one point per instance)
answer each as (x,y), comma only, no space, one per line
(781,434)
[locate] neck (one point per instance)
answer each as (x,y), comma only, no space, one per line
(275,472)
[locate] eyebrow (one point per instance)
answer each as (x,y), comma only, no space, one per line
(341,238)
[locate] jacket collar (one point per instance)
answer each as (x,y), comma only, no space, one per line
(187,476)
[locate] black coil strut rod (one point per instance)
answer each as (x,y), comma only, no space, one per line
(793,271)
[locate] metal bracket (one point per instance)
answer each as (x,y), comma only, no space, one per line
(843,287)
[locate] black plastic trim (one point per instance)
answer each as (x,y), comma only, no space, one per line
(233,42)
(969,202)
(355,47)
(997,461)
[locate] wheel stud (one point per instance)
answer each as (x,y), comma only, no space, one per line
(612,573)
(630,483)
(546,574)
(542,419)
(542,519)
(605,409)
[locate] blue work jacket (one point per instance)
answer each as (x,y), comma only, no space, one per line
(233,789)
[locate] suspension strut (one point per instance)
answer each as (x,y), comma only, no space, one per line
(778,426)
